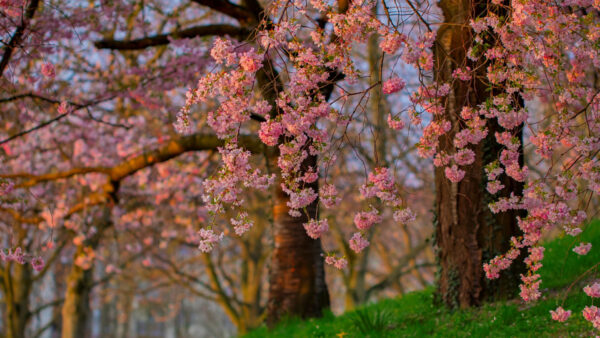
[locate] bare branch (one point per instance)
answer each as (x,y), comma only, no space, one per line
(163,39)
(237,12)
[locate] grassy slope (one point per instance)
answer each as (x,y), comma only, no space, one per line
(414,315)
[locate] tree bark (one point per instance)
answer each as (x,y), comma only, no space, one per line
(467,233)
(17,287)
(76,309)
(297,275)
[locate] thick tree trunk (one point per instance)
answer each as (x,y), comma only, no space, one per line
(76,309)
(17,287)
(297,276)
(467,233)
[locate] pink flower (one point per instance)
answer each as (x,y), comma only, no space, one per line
(250,61)
(404,216)
(242,224)
(48,70)
(391,42)
(6,187)
(316,228)
(462,74)
(270,131)
(338,263)
(302,198)
(64,108)
(582,248)
(530,292)
(329,196)
(560,314)
(395,123)
(37,263)
(365,220)
(592,315)
(358,243)
(393,85)
(209,239)
(464,157)
(222,51)
(494,186)
(593,290)
(341,263)
(454,174)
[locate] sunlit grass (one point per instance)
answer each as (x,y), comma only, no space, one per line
(414,314)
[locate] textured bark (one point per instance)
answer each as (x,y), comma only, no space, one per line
(17,287)
(76,308)
(467,233)
(297,276)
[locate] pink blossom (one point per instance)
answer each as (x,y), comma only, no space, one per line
(560,314)
(358,243)
(404,216)
(582,248)
(270,132)
(365,220)
(48,70)
(338,263)
(310,177)
(250,61)
(454,174)
(395,123)
(341,263)
(222,51)
(302,198)
(37,263)
(464,157)
(6,186)
(592,290)
(64,108)
(329,196)
(592,315)
(494,186)
(208,239)
(391,42)
(393,85)
(316,228)
(242,224)
(464,74)
(530,292)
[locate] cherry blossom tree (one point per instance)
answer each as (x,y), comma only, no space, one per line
(92,95)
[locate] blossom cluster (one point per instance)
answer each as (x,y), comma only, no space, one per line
(19,256)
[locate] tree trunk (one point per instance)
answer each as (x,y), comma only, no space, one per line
(76,309)
(467,233)
(17,287)
(297,276)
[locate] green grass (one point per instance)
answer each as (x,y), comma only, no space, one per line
(414,314)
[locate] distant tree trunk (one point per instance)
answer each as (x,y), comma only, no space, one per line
(297,276)
(76,309)
(17,287)
(252,277)
(467,233)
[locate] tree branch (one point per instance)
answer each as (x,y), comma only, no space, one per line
(222,6)
(172,149)
(163,39)
(18,35)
